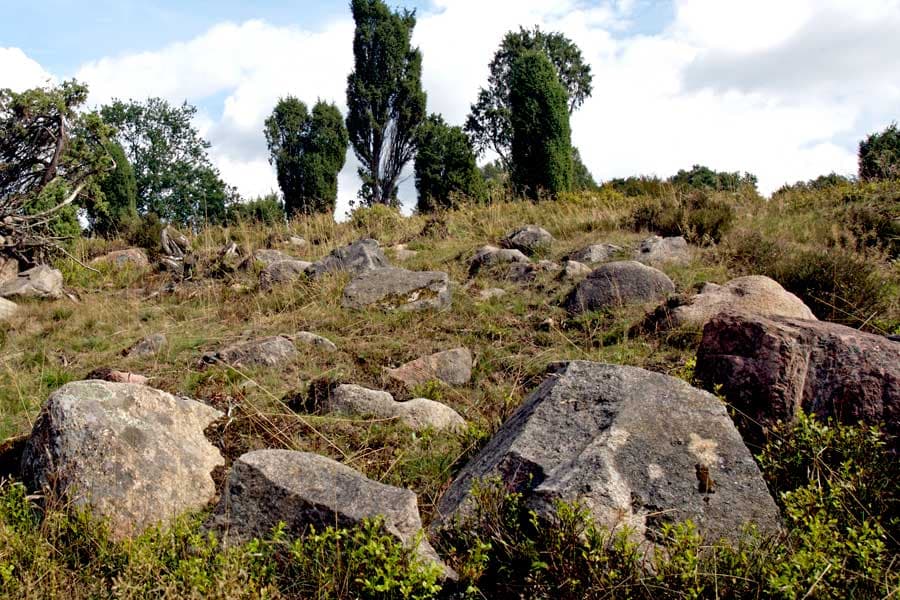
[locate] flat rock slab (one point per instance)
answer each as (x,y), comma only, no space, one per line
(755,294)
(38,282)
(398,289)
(417,414)
(618,284)
(663,250)
(8,309)
(137,456)
(772,368)
(265,352)
(453,367)
(359,257)
(305,490)
(629,444)
(529,239)
(133,257)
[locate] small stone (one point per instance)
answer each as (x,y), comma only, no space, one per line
(317,341)
(402,253)
(488,256)
(491,293)
(7,309)
(529,239)
(265,352)
(283,271)
(595,253)
(417,414)
(573,271)
(453,367)
(149,346)
(114,376)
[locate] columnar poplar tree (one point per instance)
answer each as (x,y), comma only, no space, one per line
(384,97)
(541,136)
(308,151)
(445,166)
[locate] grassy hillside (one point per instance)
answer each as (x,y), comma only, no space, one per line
(837,248)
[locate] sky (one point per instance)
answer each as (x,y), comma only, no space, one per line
(784,89)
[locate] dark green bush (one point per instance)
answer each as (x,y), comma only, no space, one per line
(879,155)
(268,210)
(700,217)
(644,185)
(145,233)
(704,178)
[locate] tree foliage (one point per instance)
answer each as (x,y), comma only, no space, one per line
(308,151)
(50,156)
(701,177)
(384,97)
(267,209)
(541,142)
(445,166)
(489,123)
(879,155)
(119,209)
(582,180)
(175,178)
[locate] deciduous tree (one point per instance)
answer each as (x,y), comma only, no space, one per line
(445,166)
(879,155)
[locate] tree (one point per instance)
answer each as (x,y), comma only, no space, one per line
(384,97)
(175,178)
(879,155)
(308,151)
(489,124)
(701,177)
(582,180)
(445,166)
(50,157)
(119,188)
(541,142)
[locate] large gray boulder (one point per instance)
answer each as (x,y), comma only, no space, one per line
(595,253)
(771,368)
(359,257)
(7,309)
(137,456)
(529,239)
(390,288)
(618,284)
(283,271)
(38,282)
(418,414)
(755,294)
(656,250)
(636,448)
(304,490)
(453,367)
(264,352)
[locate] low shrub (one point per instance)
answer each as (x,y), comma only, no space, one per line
(700,217)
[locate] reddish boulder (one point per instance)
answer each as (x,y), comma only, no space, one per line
(771,368)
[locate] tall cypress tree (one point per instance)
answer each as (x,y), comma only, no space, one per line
(384,97)
(119,189)
(542,138)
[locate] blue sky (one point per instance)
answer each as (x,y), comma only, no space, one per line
(781,88)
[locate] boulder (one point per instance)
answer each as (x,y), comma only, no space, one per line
(595,253)
(488,256)
(574,271)
(770,368)
(593,433)
(389,288)
(359,257)
(38,282)
(526,272)
(173,244)
(755,294)
(9,269)
(304,490)
(133,257)
(529,239)
(266,258)
(417,414)
(657,249)
(148,346)
(283,271)
(264,352)
(137,456)
(7,309)
(453,367)
(618,284)
(316,341)
(297,242)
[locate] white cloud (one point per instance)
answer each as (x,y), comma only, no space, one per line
(18,72)
(770,87)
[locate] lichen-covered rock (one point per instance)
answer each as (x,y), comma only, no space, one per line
(656,249)
(526,272)
(148,346)
(283,271)
(755,294)
(264,352)
(453,367)
(137,456)
(770,368)
(574,271)
(618,284)
(635,448)
(529,239)
(359,257)
(595,253)
(133,257)
(390,288)
(38,282)
(304,490)
(488,256)
(417,414)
